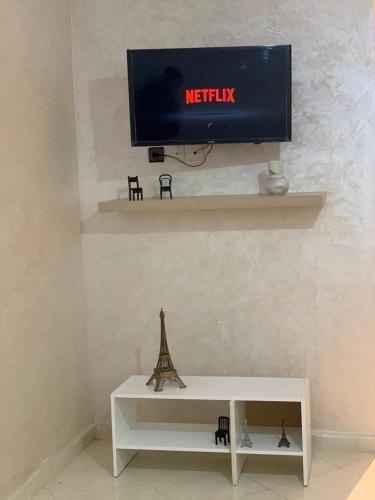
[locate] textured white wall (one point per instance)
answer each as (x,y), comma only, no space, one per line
(286,293)
(43,368)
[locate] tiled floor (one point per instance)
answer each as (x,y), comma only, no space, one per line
(180,476)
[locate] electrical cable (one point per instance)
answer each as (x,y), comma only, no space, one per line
(201,148)
(189,165)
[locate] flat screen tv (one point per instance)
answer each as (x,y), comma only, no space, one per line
(210,95)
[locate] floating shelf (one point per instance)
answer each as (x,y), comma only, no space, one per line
(227,202)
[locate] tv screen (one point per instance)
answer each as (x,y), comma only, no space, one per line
(210,95)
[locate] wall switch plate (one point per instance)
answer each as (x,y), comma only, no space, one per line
(156,155)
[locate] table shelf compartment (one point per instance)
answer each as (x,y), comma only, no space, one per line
(172,437)
(265,442)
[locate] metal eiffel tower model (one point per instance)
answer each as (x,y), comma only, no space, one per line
(284,440)
(246,441)
(164,371)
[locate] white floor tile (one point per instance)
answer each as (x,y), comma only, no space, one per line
(274,471)
(195,476)
(336,485)
(318,467)
(344,458)
(266,495)
(365,488)
(359,469)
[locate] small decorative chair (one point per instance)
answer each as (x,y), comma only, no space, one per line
(165,181)
(223,430)
(134,189)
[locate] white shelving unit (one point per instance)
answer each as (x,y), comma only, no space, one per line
(129,436)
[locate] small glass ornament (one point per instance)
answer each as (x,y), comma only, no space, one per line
(276,183)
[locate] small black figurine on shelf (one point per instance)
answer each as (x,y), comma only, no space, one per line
(284,440)
(165,181)
(223,430)
(134,189)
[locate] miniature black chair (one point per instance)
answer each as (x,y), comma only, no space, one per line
(165,185)
(134,191)
(223,430)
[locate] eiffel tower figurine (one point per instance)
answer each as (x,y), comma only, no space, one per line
(284,440)
(164,369)
(246,441)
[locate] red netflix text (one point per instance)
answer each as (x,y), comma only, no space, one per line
(194,96)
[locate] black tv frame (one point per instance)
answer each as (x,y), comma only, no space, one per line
(135,143)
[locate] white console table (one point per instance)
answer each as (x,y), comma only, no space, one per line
(128,435)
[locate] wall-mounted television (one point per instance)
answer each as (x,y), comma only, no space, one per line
(210,95)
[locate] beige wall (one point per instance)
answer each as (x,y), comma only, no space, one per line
(285,294)
(43,368)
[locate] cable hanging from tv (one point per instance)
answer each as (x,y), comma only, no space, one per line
(189,164)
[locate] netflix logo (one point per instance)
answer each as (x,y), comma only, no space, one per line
(195,96)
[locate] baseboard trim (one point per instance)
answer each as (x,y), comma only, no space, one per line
(347,441)
(103,432)
(53,465)
(328,440)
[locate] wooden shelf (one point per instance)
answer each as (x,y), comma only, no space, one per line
(228,202)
